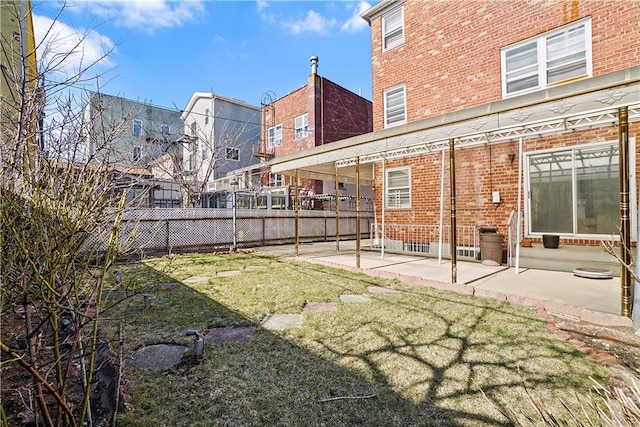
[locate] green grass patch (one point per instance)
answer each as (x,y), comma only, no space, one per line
(416,357)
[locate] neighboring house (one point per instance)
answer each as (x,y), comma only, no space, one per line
(220,134)
(536,109)
(131,135)
(318,113)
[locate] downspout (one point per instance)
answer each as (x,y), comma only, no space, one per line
(519,220)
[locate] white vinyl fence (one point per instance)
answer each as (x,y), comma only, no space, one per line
(179,229)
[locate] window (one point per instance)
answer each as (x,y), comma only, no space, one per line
(206,116)
(165,130)
(137,153)
(398,188)
(574,190)
(551,58)
(276,180)
(194,128)
(394,106)
(232,154)
(392,29)
(137,127)
(275,136)
(205,154)
(302,126)
(192,161)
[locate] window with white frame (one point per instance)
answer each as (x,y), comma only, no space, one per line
(392,29)
(232,153)
(194,128)
(301,124)
(554,57)
(398,188)
(275,135)
(137,127)
(395,107)
(206,116)
(276,179)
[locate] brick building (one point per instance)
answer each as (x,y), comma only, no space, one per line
(318,113)
(533,98)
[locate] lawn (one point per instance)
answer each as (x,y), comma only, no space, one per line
(413,357)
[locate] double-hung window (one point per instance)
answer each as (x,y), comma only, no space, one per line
(301,124)
(137,127)
(398,188)
(275,135)
(137,153)
(395,108)
(165,131)
(392,29)
(232,153)
(551,58)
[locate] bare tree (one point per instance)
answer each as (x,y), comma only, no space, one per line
(60,221)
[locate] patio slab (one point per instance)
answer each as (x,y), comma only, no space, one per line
(281,321)
(157,356)
(230,335)
(319,307)
(229,273)
(355,299)
(196,280)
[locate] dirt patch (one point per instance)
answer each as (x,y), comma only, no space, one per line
(613,345)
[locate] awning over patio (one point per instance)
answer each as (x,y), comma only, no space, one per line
(578,105)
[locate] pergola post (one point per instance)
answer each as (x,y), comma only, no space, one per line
(625,222)
(296,208)
(358,212)
(337,212)
(454,236)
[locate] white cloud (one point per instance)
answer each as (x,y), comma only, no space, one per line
(262,4)
(313,22)
(146,15)
(64,50)
(355,22)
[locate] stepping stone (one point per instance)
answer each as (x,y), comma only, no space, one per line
(281,321)
(230,335)
(355,299)
(319,307)
(593,273)
(167,285)
(255,267)
(196,280)
(158,356)
(381,290)
(229,273)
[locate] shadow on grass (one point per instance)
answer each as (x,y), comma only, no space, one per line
(415,357)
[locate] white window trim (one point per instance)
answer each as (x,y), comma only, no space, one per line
(235,158)
(404,105)
(133,127)
(632,187)
(301,126)
(400,42)
(277,136)
(542,57)
(387,188)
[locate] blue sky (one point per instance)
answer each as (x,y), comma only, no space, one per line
(164,51)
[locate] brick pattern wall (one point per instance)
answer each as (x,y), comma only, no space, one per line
(335,113)
(479,172)
(450,59)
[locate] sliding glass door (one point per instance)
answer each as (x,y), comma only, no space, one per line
(574,191)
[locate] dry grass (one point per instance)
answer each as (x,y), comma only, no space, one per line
(415,357)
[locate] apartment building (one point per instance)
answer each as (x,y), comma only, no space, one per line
(535,142)
(528,109)
(318,113)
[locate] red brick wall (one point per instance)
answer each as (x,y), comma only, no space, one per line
(335,113)
(479,172)
(450,59)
